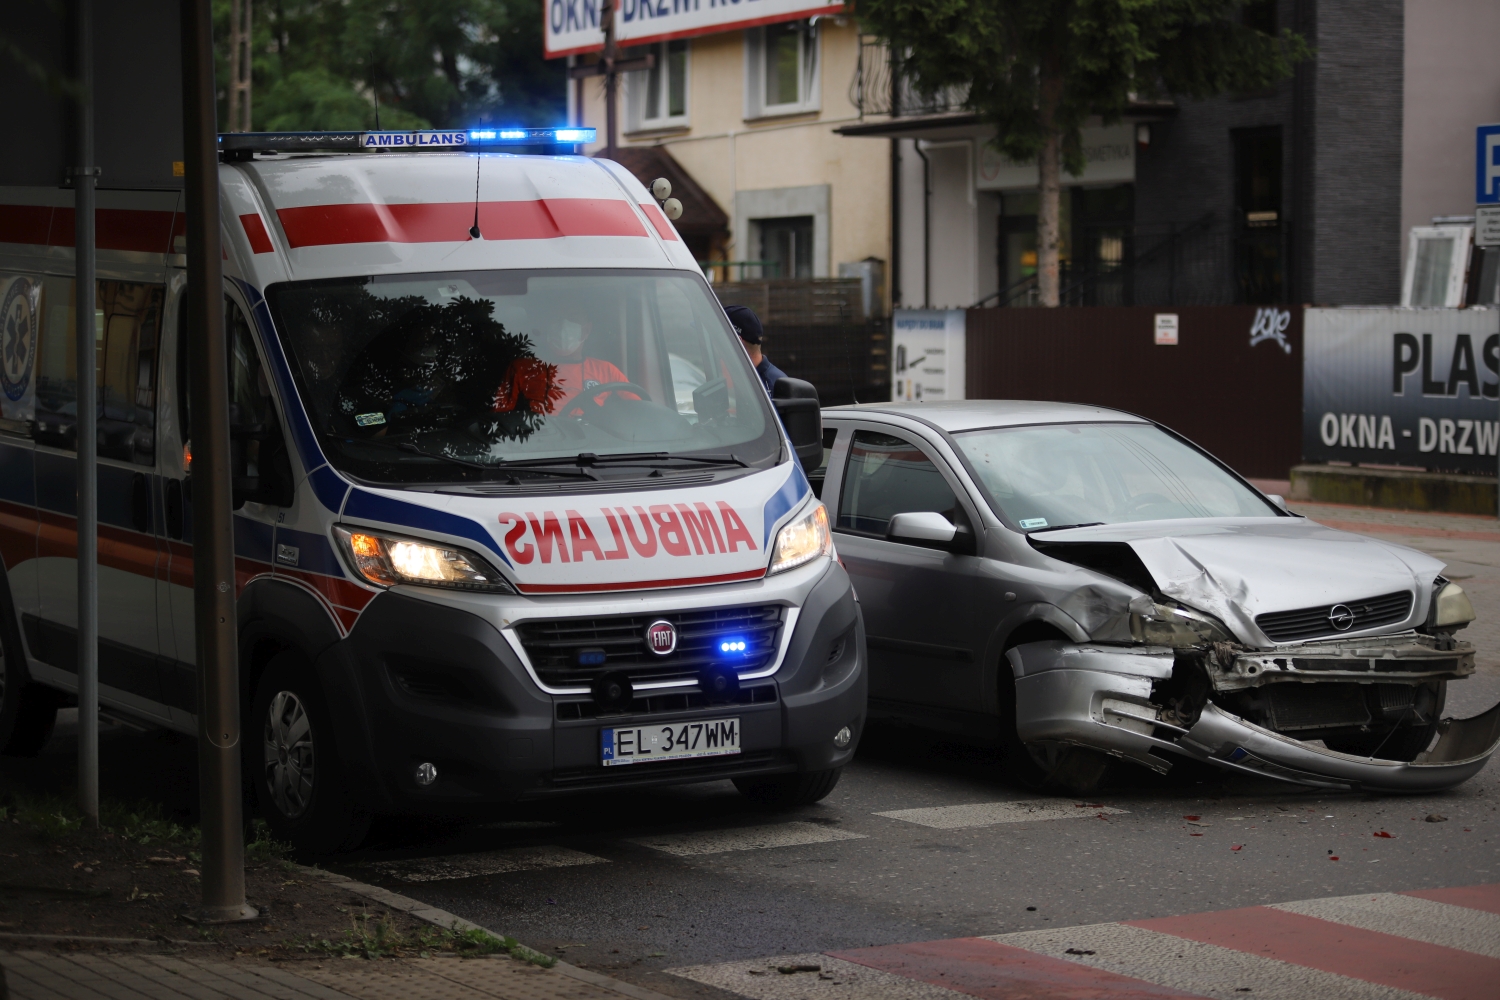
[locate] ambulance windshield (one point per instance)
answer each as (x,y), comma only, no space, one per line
(522,375)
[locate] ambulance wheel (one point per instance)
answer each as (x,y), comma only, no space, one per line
(294,765)
(784,791)
(28,711)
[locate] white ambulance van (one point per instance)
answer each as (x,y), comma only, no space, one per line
(515,516)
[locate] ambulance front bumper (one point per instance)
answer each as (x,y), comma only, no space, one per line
(441,679)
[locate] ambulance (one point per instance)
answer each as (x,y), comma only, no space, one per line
(515,517)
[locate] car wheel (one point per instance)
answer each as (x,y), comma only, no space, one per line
(28,711)
(785,791)
(294,765)
(1072,769)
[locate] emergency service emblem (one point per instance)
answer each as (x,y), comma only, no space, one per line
(18,343)
(661,636)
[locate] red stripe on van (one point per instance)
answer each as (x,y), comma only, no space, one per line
(449,222)
(25,223)
(659,220)
(255,232)
(593,588)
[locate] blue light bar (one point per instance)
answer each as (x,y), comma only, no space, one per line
(735,645)
(286,142)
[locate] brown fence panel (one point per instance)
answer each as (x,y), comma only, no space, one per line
(1241,402)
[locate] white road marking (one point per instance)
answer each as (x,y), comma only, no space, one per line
(848,980)
(745,838)
(995,813)
(1408,916)
(512,859)
(1194,967)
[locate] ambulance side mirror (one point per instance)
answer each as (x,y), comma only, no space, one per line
(260,465)
(801,414)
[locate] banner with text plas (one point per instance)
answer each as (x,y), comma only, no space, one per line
(1413,387)
(573,26)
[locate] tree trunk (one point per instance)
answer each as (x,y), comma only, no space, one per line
(1049,171)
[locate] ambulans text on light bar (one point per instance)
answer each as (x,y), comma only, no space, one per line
(425,139)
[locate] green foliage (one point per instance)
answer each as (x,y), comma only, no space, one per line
(323,64)
(372,937)
(1039,66)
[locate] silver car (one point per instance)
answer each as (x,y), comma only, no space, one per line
(1089,587)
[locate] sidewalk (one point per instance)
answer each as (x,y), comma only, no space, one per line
(36,975)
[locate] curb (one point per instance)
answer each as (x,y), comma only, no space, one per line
(446,920)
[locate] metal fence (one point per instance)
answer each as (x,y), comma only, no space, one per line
(872,93)
(817,330)
(1199,263)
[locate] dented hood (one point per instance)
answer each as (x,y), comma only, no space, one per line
(1236,568)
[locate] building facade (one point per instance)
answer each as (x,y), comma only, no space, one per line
(1301,193)
(751,115)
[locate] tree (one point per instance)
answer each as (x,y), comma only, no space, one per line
(1037,70)
(329,64)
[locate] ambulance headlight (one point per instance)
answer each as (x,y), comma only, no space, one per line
(802,541)
(386,560)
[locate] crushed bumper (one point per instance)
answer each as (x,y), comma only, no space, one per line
(1100,696)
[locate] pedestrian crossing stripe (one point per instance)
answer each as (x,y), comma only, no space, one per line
(1442,943)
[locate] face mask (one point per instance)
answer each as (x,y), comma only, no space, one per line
(569,336)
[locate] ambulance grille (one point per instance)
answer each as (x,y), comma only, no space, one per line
(1314,623)
(553,645)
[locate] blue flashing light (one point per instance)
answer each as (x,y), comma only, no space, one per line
(482,133)
(511,133)
(591,657)
(733,646)
(575,135)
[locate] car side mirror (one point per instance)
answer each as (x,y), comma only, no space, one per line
(925,527)
(801,414)
(1278,500)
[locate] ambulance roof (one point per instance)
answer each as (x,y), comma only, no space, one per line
(305,217)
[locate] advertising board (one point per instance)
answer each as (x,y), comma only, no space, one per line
(1410,387)
(574,26)
(929,350)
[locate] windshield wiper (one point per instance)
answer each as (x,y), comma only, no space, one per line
(588,458)
(1065,527)
(488,467)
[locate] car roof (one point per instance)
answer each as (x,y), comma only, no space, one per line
(970,414)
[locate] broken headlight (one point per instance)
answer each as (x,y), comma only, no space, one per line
(1450,607)
(1172,625)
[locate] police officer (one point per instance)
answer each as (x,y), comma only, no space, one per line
(747,325)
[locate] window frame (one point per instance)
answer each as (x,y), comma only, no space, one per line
(809,78)
(842,452)
(637,90)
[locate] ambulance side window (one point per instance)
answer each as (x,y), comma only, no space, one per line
(127,331)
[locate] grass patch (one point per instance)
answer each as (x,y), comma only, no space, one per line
(57,817)
(372,937)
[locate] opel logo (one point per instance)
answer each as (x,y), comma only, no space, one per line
(661,637)
(1340,617)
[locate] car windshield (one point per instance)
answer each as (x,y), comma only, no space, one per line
(1054,475)
(495,374)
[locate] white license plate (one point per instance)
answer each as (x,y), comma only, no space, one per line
(642,744)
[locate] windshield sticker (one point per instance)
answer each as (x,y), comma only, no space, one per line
(369,419)
(1034,522)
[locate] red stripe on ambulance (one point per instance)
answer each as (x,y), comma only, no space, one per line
(675,530)
(449,222)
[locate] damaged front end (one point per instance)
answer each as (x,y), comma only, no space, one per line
(1340,713)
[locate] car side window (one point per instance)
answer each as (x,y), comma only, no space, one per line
(887,475)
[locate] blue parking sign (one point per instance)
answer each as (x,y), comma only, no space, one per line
(1487,165)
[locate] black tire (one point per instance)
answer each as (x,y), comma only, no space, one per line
(1077,770)
(293,764)
(785,791)
(28,711)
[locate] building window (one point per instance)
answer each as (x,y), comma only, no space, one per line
(786,247)
(657,97)
(781,69)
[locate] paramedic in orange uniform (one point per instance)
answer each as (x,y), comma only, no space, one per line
(560,346)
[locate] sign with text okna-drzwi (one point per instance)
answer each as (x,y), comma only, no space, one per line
(574,26)
(1413,387)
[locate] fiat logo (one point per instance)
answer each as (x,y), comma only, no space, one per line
(1340,617)
(661,636)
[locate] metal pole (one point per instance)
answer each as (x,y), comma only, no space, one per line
(215,626)
(611,81)
(87,441)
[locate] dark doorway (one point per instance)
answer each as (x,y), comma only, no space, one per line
(786,245)
(1260,228)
